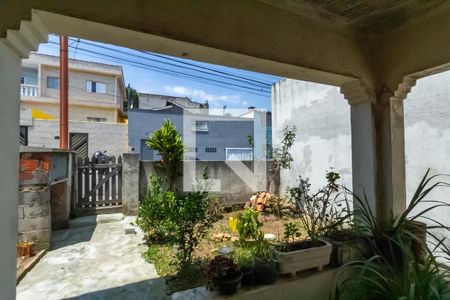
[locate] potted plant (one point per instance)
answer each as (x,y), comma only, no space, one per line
(319,213)
(387,233)
(294,256)
(224,275)
(265,263)
(402,265)
(245,260)
(347,245)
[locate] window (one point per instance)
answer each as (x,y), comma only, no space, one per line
(191,149)
(96,119)
(22,80)
(95,87)
(52,82)
(210,150)
(239,154)
(200,126)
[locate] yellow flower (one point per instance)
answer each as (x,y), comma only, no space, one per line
(232,222)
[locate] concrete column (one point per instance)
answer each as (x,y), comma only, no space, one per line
(10,67)
(363,151)
(378,145)
(391,182)
(391,151)
(363,141)
(130,183)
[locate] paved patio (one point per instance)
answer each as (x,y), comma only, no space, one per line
(94,262)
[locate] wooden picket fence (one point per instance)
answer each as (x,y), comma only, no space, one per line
(99,185)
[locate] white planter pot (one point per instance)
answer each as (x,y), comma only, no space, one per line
(299,260)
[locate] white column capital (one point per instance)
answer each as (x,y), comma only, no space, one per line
(357,92)
(27,38)
(404,88)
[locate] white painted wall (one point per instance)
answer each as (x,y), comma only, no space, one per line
(322,117)
(9,162)
(427,136)
(112,137)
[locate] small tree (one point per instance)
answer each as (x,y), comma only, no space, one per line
(168,142)
(132,97)
(282,158)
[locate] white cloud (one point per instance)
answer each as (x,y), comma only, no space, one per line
(201,95)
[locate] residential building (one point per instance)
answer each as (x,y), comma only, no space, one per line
(151,101)
(97,105)
(210,137)
(262,138)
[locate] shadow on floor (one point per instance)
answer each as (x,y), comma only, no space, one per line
(152,289)
(71,236)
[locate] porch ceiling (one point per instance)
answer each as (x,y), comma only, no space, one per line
(368,16)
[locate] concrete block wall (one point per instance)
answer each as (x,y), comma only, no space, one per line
(112,137)
(34,212)
(130,183)
(233,189)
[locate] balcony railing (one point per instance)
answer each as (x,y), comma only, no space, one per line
(29,90)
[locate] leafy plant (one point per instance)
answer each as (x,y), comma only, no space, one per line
(396,271)
(244,258)
(377,279)
(169,144)
(248,225)
(263,250)
(387,233)
(322,211)
(155,210)
(281,156)
(291,231)
(220,268)
(192,222)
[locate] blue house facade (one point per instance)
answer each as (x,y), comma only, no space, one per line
(209,137)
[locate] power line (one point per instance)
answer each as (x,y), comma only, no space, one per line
(257,81)
(185,76)
(261,84)
(156,68)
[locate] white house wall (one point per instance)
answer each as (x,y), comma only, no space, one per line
(322,118)
(112,137)
(427,136)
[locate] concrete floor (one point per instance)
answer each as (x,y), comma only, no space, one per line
(93,262)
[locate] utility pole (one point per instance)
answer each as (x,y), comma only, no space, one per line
(63,93)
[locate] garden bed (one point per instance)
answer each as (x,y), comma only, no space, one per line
(164,258)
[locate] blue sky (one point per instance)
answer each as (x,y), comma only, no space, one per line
(238,90)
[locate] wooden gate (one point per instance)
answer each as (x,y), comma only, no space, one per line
(99,185)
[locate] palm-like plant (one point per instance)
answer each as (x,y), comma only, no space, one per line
(169,144)
(387,233)
(377,279)
(395,271)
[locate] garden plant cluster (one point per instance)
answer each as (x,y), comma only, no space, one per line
(377,257)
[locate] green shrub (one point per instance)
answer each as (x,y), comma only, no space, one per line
(154,215)
(248,224)
(192,221)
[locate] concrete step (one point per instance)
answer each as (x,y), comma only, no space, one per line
(94,220)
